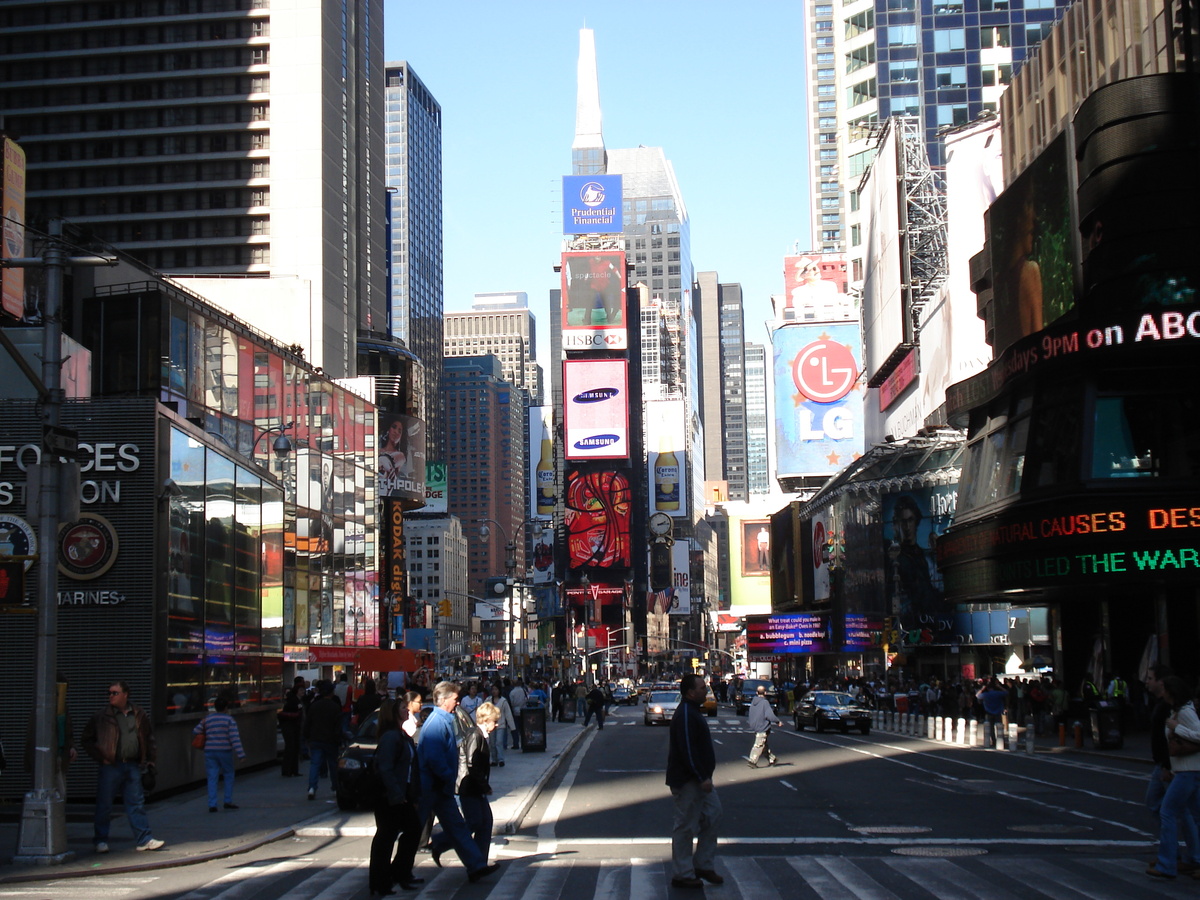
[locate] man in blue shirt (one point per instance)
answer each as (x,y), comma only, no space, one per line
(437,758)
(994,699)
(691,762)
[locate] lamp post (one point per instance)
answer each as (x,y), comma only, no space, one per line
(510,566)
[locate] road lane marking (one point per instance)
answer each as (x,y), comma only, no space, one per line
(546,837)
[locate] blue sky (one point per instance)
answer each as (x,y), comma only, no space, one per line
(719,86)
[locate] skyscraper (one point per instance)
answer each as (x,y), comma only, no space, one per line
(229,138)
(722,381)
(945,61)
(502,325)
(414,184)
(758,421)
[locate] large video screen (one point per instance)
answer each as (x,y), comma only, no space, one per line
(597,519)
(594,309)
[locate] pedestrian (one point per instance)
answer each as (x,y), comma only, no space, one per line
(1182,796)
(368,701)
(437,756)
(323,733)
(397,821)
(691,762)
(291,719)
(595,706)
(498,739)
(474,772)
(760,717)
(471,701)
(994,700)
(120,738)
(580,699)
(516,702)
(1160,777)
(221,742)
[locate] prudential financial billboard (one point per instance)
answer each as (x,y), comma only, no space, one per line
(592,204)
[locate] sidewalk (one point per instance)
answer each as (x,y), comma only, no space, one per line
(271,808)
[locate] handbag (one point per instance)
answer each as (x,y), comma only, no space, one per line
(1178,746)
(198,740)
(149,779)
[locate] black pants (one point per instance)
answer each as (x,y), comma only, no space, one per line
(392,823)
(291,748)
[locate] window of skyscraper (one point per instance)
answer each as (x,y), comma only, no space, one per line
(902,35)
(903,72)
(946,39)
(822,10)
(1035,34)
(943,7)
(955,114)
(860,23)
(989,5)
(995,36)
(861,92)
(825,41)
(952,76)
(859,57)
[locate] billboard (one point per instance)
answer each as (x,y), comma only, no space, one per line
(818,398)
(912,523)
(436,487)
(819,560)
(592,204)
(542,469)
(666,430)
(597,519)
(543,555)
(594,302)
(862,633)
(749,578)
(596,401)
(885,321)
(401,470)
(768,636)
(681,586)
(814,289)
(12,281)
(1033,279)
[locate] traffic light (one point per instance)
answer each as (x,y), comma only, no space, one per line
(661,571)
(445,609)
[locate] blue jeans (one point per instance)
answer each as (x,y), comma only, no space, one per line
(125,777)
(455,832)
(1182,800)
(321,754)
(497,741)
(216,764)
(477,813)
(1155,789)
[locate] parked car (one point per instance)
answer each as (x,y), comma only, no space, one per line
(746,691)
(660,707)
(831,709)
(353,762)
(624,696)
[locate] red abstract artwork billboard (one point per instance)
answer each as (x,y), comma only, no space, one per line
(597,519)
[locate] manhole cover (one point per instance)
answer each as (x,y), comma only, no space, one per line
(1050,829)
(892,829)
(939,851)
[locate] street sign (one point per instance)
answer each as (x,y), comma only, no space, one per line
(59,441)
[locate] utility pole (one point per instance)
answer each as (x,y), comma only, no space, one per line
(43,834)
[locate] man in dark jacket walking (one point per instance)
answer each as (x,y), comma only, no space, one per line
(690,766)
(121,739)
(323,732)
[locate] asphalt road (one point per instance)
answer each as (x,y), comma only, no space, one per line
(848,816)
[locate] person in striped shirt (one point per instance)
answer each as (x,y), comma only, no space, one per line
(221,742)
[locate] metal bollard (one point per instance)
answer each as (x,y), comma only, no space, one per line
(1078,735)
(1062,734)
(1030,734)
(930,728)
(962,733)
(948,730)
(937,728)
(1012,735)
(974,733)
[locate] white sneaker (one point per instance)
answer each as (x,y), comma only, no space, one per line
(102,847)
(152,844)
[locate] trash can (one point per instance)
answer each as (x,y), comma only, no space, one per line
(533,729)
(567,713)
(1106,727)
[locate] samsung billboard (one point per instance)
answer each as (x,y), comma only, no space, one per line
(596,399)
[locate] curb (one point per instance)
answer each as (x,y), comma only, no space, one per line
(511,826)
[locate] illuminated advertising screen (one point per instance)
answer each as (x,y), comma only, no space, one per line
(597,519)
(596,399)
(1032,243)
(818,398)
(912,523)
(592,204)
(819,558)
(543,555)
(594,304)
(681,591)
(862,633)
(665,441)
(542,468)
(749,581)
(12,229)
(814,289)
(401,471)
(788,633)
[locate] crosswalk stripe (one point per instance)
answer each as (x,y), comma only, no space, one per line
(839,877)
(338,882)
(944,879)
(748,876)
(647,878)
(610,883)
(1065,883)
(241,881)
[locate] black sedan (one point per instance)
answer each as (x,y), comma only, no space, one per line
(353,787)
(744,695)
(831,709)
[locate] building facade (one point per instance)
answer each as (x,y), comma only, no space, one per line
(758,421)
(502,325)
(722,383)
(414,186)
(236,142)
(436,551)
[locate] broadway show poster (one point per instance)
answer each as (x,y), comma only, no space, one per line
(912,523)
(597,519)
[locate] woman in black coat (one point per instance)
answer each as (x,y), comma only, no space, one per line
(396,818)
